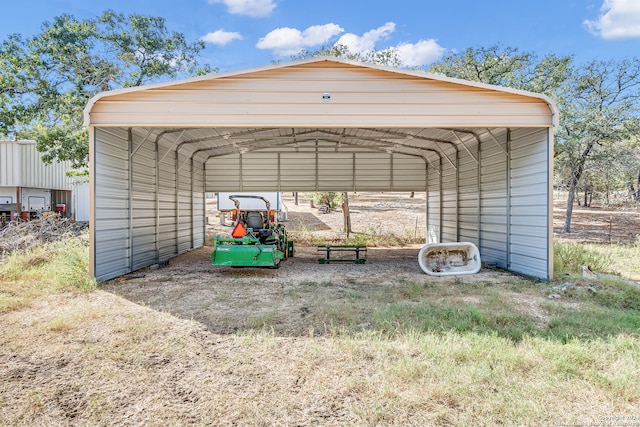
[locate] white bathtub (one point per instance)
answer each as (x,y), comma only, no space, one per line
(448,259)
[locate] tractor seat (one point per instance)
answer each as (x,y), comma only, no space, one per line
(254,220)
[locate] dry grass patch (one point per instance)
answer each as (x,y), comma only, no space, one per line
(46,269)
(127,364)
(386,345)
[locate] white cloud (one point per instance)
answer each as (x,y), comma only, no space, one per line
(421,53)
(410,54)
(618,19)
(253,8)
(366,42)
(221,37)
(289,41)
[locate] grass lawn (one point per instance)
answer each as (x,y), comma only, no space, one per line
(409,353)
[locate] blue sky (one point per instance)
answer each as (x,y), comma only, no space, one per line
(249,33)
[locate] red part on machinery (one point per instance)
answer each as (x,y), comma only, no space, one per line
(239,231)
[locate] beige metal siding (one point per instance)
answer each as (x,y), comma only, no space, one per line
(409,173)
(293,97)
(167,202)
(434,200)
(198,205)
(185,206)
(149,203)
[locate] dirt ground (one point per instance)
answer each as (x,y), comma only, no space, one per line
(598,224)
(289,299)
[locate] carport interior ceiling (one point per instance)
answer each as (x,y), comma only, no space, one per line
(307,159)
(481,154)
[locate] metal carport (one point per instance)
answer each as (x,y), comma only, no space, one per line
(483,154)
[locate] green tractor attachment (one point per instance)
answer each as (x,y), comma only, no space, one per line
(257,239)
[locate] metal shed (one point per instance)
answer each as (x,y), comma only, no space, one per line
(24,176)
(483,155)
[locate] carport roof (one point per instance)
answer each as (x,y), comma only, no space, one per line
(159,93)
(320,103)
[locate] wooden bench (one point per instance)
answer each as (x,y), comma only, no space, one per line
(359,251)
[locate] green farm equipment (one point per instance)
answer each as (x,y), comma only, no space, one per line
(257,239)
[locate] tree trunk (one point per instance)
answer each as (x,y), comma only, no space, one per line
(576,174)
(325,199)
(570,201)
(295,198)
(346,214)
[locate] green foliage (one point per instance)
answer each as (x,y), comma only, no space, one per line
(507,66)
(387,57)
(333,199)
(84,172)
(461,318)
(53,267)
(46,80)
(61,264)
(592,323)
(627,298)
(598,103)
(619,259)
(568,257)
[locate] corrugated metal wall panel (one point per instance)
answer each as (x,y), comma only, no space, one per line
(409,173)
(335,170)
(449,196)
(185,206)
(198,203)
(315,171)
(434,194)
(167,241)
(222,173)
(37,174)
(298,170)
(468,192)
(259,172)
(143,200)
(373,171)
(111,199)
(529,208)
(10,162)
(21,165)
(493,198)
